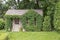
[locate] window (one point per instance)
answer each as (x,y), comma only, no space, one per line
(26,20)
(35,21)
(16,21)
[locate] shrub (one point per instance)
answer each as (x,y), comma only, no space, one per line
(2,24)
(57,16)
(46,24)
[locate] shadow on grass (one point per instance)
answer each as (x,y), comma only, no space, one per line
(58,31)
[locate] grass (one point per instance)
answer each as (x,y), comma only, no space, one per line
(2,31)
(3,36)
(34,36)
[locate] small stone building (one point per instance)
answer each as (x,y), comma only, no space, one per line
(16,23)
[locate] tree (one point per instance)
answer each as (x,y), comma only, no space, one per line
(3,9)
(48,7)
(24,4)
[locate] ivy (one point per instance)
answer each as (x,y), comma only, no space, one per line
(32,25)
(31,21)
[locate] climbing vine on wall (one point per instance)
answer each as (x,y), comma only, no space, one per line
(31,21)
(8,21)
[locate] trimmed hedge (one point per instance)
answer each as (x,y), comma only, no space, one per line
(2,24)
(31,21)
(46,24)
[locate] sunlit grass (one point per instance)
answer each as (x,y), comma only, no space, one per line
(34,36)
(3,36)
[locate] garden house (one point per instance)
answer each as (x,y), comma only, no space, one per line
(23,20)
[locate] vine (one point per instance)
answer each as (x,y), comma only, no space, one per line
(31,21)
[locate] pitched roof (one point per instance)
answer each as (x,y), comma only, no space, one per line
(21,12)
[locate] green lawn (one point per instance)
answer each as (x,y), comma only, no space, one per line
(34,36)
(3,36)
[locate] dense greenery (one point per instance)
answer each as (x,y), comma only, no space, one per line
(46,24)
(2,24)
(57,16)
(3,9)
(31,21)
(48,7)
(8,21)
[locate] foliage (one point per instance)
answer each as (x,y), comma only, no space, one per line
(26,5)
(2,24)
(57,16)
(48,7)
(32,25)
(46,24)
(32,21)
(8,21)
(3,9)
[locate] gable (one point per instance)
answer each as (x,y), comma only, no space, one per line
(21,12)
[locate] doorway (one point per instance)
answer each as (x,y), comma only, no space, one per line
(16,25)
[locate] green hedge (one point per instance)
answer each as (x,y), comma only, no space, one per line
(57,16)
(29,16)
(2,24)
(46,24)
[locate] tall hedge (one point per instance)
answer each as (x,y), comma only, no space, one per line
(46,24)
(57,16)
